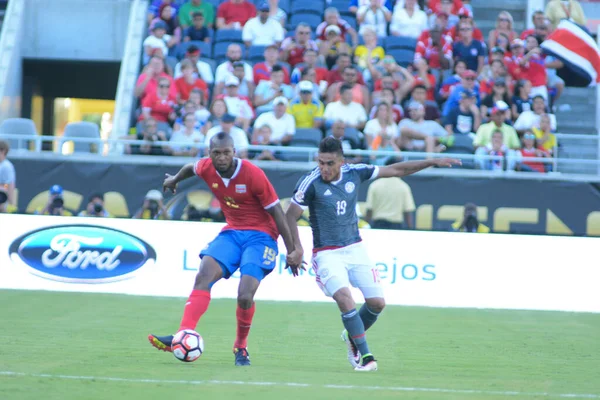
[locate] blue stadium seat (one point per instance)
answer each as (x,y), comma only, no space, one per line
(341,5)
(205,48)
(171,62)
(228,35)
(256,54)
(312,7)
(398,42)
(211,62)
(350,19)
(220,50)
(307,138)
(402,56)
(312,20)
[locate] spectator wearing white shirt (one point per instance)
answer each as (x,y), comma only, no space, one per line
(203,69)
(238,106)
(531,119)
(225,70)
(408,20)
(262,30)
(157,41)
(267,91)
(240,140)
(345,110)
(188,134)
(283,125)
(375,16)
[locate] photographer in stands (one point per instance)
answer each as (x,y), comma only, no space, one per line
(95,207)
(55,204)
(153,207)
(469,221)
(7,178)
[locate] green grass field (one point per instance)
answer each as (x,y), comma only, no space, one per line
(87,346)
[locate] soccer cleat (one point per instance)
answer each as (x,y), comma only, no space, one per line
(353,353)
(161,342)
(368,363)
(242,358)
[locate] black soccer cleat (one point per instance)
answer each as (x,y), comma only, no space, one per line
(242,358)
(161,342)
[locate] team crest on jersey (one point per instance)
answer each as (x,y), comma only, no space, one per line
(215,185)
(299,196)
(240,188)
(350,187)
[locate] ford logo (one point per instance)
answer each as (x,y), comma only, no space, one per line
(82,253)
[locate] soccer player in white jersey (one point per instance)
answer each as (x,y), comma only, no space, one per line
(339,258)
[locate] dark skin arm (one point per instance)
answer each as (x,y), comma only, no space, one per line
(292,216)
(293,260)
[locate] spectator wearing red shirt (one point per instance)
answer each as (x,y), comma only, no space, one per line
(466,16)
(262,71)
(310,61)
(530,66)
(437,50)
(436,6)
(440,20)
(540,28)
(425,78)
(528,151)
(160,105)
(332,17)
(234,14)
(186,83)
(147,82)
(293,48)
(335,75)
(360,93)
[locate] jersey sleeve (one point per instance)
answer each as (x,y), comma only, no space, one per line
(304,191)
(366,172)
(199,167)
(263,190)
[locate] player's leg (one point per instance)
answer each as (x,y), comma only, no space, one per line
(219,259)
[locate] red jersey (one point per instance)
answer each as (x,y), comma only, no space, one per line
(431,90)
(262,72)
(435,6)
(184,88)
(527,32)
(296,55)
(241,12)
(153,84)
(535,165)
(245,198)
(425,49)
(159,108)
(342,24)
(534,70)
(336,76)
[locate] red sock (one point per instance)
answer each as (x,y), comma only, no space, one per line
(244,321)
(194,308)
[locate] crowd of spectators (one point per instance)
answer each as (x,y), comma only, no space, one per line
(381,76)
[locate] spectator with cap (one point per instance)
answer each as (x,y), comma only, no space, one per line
(55,204)
(437,50)
(353,114)
(187,11)
(502,42)
(193,106)
(390,204)
(188,82)
(233,14)
(467,82)
(318,88)
(238,106)
(419,95)
(282,124)
(418,134)
(360,93)
(531,119)
(332,18)
(240,139)
(201,68)
(262,30)
(408,20)
(497,123)
(160,105)
(529,151)
(471,51)
(225,69)
(153,207)
(95,207)
(465,119)
(184,139)
(451,82)
(8,178)
(156,43)
(374,16)
(197,32)
(267,91)
(306,111)
(262,70)
(354,142)
(294,48)
(499,93)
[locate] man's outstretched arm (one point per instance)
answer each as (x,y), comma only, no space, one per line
(410,167)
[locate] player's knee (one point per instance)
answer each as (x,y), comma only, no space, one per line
(245,300)
(376,304)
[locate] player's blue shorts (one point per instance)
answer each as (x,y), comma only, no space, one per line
(254,253)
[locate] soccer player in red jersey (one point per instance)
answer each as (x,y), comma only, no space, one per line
(248,242)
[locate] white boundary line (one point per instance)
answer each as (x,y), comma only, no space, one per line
(307,385)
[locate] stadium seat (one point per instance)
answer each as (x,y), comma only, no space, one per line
(350,19)
(402,56)
(205,48)
(220,51)
(171,62)
(82,129)
(310,7)
(211,62)
(398,42)
(341,5)
(228,35)
(256,54)
(307,138)
(312,20)
(463,144)
(19,126)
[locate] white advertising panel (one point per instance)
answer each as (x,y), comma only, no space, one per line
(160,258)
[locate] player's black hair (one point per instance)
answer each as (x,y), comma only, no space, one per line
(221,139)
(331,145)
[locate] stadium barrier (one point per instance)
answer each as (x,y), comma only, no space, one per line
(160,258)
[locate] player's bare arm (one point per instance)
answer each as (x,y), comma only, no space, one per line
(292,216)
(294,259)
(171,181)
(410,167)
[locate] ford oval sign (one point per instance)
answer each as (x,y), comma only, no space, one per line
(82,253)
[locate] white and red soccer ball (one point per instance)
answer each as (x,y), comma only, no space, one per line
(187,345)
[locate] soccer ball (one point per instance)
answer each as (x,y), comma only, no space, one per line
(187,345)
